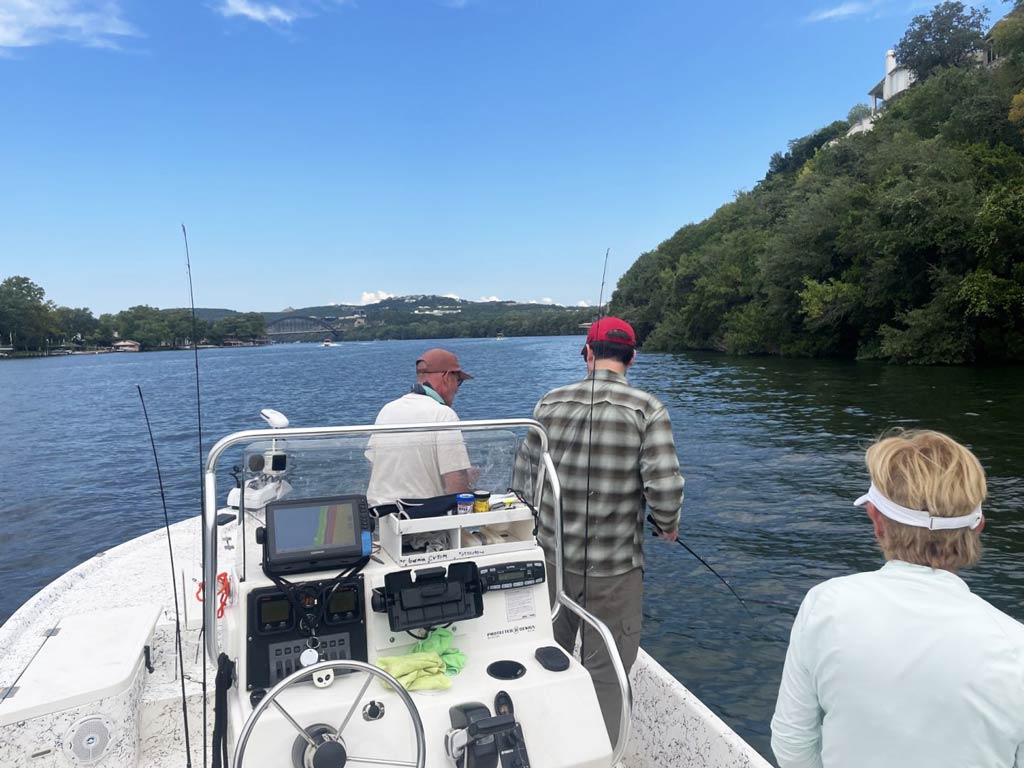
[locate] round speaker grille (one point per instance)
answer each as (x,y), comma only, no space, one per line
(88,740)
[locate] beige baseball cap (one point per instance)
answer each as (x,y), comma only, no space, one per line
(440,361)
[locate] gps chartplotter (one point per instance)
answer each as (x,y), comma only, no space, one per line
(321,534)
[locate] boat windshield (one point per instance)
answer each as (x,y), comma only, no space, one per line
(388,466)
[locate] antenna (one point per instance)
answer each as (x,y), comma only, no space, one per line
(275,419)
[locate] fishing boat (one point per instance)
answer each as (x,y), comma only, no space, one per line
(288,626)
(328,343)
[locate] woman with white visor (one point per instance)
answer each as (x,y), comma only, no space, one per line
(904,666)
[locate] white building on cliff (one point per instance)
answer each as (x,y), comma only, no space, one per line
(897,79)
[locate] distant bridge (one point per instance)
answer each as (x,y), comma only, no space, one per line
(294,327)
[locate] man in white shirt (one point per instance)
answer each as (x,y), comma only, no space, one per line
(428,464)
(903,666)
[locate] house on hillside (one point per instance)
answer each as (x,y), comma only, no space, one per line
(897,79)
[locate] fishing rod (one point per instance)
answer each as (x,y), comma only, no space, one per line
(657,530)
(590,448)
(650,518)
(202,488)
(174,583)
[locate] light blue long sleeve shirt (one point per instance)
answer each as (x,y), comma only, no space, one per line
(898,668)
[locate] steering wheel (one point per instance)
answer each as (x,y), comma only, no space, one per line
(321,746)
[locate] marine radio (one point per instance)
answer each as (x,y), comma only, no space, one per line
(512,575)
(327,533)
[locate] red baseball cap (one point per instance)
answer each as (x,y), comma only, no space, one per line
(612,329)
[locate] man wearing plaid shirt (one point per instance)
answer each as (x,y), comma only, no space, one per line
(615,441)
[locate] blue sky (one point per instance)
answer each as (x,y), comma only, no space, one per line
(323,151)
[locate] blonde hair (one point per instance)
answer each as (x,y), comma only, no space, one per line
(932,472)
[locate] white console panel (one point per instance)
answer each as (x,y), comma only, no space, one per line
(515,622)
(558,712)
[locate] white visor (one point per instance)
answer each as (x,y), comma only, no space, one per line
(915,517)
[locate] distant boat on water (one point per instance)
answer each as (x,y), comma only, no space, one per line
(328,343)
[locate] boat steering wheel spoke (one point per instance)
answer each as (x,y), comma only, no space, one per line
(355,704)
(378,761)
(302,731)
(323,737)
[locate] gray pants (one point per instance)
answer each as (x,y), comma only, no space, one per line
(618,602)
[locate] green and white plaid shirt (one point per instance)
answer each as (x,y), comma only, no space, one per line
(632,460)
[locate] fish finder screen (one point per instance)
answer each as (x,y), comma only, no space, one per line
(313,527)
(342,601)
(274,611)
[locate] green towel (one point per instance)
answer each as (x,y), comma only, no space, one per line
(439,641)
(416,671)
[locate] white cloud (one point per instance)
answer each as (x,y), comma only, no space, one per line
(842,11)
(274,12)
(547,300)
(583,303)
(94,23)
(372,297)
(257,10)
(488,298)
(452,296)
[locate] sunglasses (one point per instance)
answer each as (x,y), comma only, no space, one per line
(458,379)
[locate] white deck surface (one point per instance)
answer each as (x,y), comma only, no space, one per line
(671,727)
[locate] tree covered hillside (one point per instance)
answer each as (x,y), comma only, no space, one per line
(904,243)
(445,317)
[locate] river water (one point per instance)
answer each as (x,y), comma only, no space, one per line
(772,453)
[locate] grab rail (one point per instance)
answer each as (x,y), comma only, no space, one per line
(546,471)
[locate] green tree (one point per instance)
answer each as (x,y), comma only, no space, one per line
(936,332)
(949,36)
(1016,114)
(802,150)
(144,324)
(243,326)
(25,314)
(103,335)
(179,327)
(857,113)
(1008,34)
(74,325)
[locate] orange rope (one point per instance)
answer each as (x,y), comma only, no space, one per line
(223,593)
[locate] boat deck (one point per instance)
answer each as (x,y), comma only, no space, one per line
(672,728)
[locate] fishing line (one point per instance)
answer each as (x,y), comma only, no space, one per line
(174,581)
(202,488)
